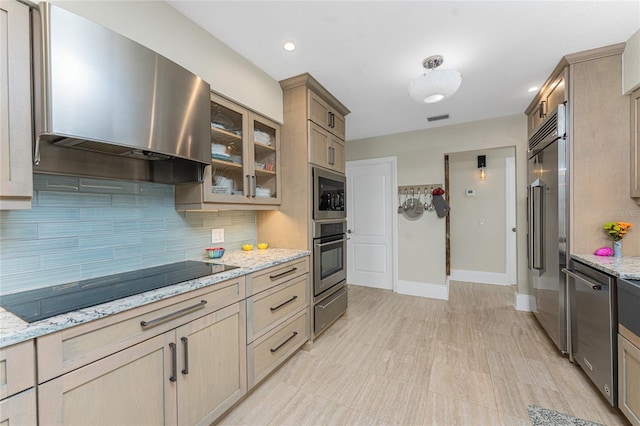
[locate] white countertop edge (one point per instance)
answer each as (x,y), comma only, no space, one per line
(624,267)
(14,330)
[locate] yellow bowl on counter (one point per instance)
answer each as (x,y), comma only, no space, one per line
(247,247)
(263,246)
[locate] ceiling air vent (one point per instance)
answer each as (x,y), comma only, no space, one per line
(438,117)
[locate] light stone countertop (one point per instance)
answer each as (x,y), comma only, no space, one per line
(15,330)
(625,267)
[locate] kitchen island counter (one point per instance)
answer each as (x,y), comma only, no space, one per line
(625,267)
(15,330)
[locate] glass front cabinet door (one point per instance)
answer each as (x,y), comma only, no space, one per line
(265,141)
(245,162)
(226,180)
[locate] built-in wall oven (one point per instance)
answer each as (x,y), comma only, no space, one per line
(329,255)
(328,195)
(329,272)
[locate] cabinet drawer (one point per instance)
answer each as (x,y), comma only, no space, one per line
(329,310)
(269,351)
(271,307)
(69,349)
(271,277)
(19,409)
(17,368)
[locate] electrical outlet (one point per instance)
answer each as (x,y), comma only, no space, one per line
(217,236)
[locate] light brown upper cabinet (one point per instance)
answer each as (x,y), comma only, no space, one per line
(635,144)
(245,162)
(16,178)
(550,96)
(325,149)
(316,124)
(327,117)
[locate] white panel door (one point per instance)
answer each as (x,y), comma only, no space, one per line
(370,223)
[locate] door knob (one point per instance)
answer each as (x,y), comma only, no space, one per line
(348,231)
(513,229)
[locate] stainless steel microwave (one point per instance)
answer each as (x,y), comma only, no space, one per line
(329,200)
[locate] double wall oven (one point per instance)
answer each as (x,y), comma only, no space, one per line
(329,248)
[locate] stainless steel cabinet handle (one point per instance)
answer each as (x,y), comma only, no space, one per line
(543,109)
(332,300)
(185,343)
(275,308)
(295,333)
(174,362)
(173,314)
(584,280)
(282,274)
(248,186)
(255,185)
(536,226)
(330,242)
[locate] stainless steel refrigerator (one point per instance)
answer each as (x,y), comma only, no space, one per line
(547,235)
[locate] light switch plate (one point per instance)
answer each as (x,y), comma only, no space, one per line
(217,236)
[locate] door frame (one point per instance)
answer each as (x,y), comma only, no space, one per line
(511,238)
(393,162)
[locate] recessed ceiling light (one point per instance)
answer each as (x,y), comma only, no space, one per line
(533,89)
(289,46)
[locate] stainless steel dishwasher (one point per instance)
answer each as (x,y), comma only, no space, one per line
(594,329)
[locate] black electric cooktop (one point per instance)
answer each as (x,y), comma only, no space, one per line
(34,305)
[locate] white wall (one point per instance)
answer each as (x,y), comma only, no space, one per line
(421,243)
(163,29)
(478,222)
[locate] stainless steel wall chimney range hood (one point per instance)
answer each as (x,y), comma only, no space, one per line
(115,100)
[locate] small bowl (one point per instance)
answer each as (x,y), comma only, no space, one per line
(262,246)
(215,252)
(247,247)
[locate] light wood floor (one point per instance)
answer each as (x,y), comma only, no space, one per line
(472,360)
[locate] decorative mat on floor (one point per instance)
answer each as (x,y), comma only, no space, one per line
(543,417)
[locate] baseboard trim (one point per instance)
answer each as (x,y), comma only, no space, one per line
(524,302)
(415,288)
(481,277)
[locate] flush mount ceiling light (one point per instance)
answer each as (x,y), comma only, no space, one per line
(289,46)
(436,83)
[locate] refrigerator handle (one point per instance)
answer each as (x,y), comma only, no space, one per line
(536,223)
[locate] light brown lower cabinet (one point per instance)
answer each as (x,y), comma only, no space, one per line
(19,409)
(268,352)
(187,376)
(17,381)
(629,378)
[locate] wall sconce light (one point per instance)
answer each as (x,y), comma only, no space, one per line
(482,164)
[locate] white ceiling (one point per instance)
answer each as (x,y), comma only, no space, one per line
(366,52)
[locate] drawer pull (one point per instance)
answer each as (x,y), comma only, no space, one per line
(332,300)
(173,314)
(185,342)
(275,308)
(280,275)
(174,362)
(295,333)
(594,285)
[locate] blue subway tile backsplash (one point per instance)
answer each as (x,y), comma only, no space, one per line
(81,228)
